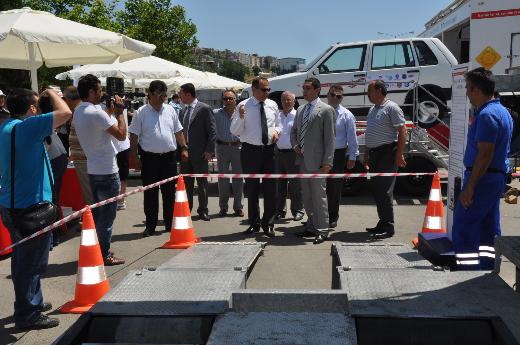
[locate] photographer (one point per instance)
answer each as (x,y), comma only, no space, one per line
(31,187)
(95,130)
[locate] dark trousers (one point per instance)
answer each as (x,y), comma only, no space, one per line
(198,166)
(154,168)
(58,166)
(382,159)
(335,185)
(28,262)
(286,164)
(259,160)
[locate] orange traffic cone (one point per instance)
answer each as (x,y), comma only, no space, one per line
(182,235)
(91,282)
(434,216)
(5,239)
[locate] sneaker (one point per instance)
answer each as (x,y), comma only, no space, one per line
(121,205)
(113,261)
(42,322)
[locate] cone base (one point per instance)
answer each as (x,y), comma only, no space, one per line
(184,245)
(415,243)
(72,307)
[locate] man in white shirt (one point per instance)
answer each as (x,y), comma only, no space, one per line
(257,122)
(156,129)
(286,162)
(346,141)
(95,130)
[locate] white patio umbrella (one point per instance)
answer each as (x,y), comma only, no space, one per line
(30,38)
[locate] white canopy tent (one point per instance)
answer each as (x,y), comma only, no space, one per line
(31,38)
(140,72)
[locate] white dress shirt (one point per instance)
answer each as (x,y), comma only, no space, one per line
(287,122)
(249,129)
(156,130)
(346,132)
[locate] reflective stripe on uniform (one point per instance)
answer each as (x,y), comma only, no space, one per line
(89,237)
(468,262)
(182,223)
(91,275)
(487,248)
(466,255)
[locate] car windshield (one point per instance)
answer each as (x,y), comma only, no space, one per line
(313,62)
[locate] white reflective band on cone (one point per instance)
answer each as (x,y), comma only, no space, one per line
(89,237)
(91,275)
(435,195)
(433,223)
(466,255)
(182,223)
(487,248)
(467,262)
(181,196)
(489,255)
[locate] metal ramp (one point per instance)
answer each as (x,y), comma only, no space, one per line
(283,328)
(421,142)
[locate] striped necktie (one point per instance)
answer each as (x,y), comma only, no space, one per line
(305,122)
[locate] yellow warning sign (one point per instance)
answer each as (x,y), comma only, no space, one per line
(488,57)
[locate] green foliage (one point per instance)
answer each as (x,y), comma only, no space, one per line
(233,70)
(256,70)
(160,23)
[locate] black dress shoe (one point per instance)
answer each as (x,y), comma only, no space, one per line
(381,234)
(45,307)
(252,229)
(222,213)
(304,233)
(204,216)
(148,232)
(332,225)
(42,322)
(239,213)
(268,230)
(298,216)
(280,215)
(320,238)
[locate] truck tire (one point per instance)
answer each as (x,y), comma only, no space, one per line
(416,185)
(353,185)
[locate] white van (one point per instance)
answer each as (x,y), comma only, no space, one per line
(399,62)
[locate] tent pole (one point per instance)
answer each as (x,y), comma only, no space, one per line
(32,68)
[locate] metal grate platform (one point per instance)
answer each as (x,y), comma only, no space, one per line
(386,256)
(283,328)
(421,293)
(238,256)
(171,292)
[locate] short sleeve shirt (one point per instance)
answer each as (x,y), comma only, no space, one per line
(383,122)
(156,129)
(32,180)
(91,124)
(492,123)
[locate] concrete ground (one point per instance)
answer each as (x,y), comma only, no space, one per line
(288,262)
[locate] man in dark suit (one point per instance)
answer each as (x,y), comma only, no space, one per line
(200,133)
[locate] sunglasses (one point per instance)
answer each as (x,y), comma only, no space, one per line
(265,89)
(338,96)
(228,98)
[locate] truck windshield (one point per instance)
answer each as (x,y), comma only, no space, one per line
(313,62)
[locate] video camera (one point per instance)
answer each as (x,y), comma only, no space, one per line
(116,86)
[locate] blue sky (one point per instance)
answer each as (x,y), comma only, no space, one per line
(305,28)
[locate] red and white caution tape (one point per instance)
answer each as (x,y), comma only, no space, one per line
(78,213)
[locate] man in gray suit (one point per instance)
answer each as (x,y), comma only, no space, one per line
(200,133)
(313,140)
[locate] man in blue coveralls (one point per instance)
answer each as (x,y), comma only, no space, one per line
(477,217)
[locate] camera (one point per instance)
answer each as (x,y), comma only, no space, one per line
(116,86)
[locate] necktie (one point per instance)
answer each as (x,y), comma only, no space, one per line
(187,122)
(305,122)
(263,123)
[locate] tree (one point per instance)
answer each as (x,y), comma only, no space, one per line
(233,70)
(256,70)
(160,23)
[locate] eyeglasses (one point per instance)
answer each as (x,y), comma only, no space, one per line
(228,98)
(338,96)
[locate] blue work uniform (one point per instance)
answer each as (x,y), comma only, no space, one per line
(474,229)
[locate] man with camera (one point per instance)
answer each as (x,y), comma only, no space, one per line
(31,188)
(95,130)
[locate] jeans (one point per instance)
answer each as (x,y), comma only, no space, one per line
(28,262)
(104,187)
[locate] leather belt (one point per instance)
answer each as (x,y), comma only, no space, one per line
(154,154)
(228,143)
(285,150)
(383,147)
(490,170)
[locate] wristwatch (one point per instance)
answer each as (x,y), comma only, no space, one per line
(184,148)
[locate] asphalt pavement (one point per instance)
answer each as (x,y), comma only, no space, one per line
(288,262)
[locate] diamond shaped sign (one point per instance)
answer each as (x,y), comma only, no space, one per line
(488,57)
